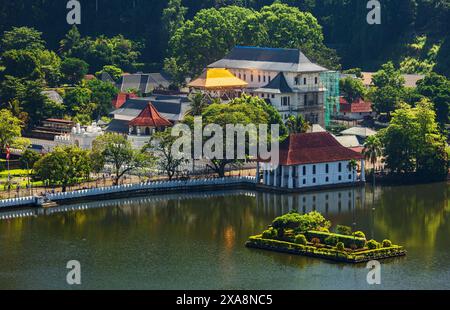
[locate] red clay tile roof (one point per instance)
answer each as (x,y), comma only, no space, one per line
(121,98)
(358,106)
(150,117)
(314,148)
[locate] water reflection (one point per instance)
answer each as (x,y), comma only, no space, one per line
(203,233)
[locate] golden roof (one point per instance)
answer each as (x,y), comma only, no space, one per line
(217,79)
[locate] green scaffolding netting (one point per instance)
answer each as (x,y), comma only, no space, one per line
(330,81)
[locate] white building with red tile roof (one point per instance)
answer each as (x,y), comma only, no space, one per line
(314,160)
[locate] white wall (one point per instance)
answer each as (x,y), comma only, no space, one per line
(310,179)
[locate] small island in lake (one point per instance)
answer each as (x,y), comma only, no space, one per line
(309,235)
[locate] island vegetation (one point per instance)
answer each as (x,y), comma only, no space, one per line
(309,235)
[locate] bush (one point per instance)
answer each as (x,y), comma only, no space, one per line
(359,234)
(301,239)
(331,240)
(347,240)
(340,246)
(387,243)
(372,244)
(301,223)
(270,233)
(344,230)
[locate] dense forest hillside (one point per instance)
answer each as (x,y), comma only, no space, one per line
(413,33)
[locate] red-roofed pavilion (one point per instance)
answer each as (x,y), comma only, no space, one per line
(148,121)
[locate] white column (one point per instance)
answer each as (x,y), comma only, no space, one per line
(299,175)
(269,175)
(275,177)
(291,177)
(363,170)
(283,182)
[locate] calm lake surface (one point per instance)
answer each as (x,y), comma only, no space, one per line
(196,241)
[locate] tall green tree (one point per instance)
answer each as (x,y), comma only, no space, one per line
(74,70)
(437,89)
(64,166)
(10,128)
(115,150)
(413,143)
(297,124)
(373,150)
(352,89)
(388,89)
(21,64)
(22,38)
(161,148)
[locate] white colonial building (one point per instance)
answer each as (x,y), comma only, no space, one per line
(284,77)
(82,137)
(314,160)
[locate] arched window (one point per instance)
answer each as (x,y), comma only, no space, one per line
(147,131)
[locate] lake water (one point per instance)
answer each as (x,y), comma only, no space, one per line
(196,241)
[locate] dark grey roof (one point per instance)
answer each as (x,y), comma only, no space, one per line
(271,59)
(278,84)
(119,126)
(144,82)
(171,107)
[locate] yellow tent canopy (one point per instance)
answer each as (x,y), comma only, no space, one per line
(217,79)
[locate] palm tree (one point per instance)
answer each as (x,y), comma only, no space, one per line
(198,103)
(297,124)
(352,166)
(373,149)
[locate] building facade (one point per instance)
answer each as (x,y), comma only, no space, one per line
(284,77)
(314,160)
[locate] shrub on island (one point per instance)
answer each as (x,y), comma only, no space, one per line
(270,233)
(372,244)
(347,240)
(331,240)
(301,223)
(340,246)
(359,234)
(301,239)
(344,230)
(387,243)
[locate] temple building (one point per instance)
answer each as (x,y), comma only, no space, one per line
(287,79)
(172,108)
(145,125)
(314,160)
(218,83)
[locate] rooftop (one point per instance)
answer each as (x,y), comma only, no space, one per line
(143,82)
(362,132)
(150,117)
(216,78)
(270,59)
(278,85)
(314,148)
(358,106)
(173,108)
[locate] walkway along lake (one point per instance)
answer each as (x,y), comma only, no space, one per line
(196,241)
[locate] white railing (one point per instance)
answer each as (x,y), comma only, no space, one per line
(23,201)
(156,186)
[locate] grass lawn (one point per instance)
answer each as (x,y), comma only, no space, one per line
(15,173)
